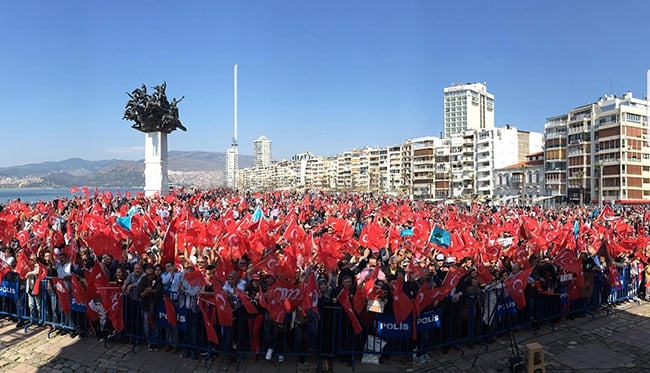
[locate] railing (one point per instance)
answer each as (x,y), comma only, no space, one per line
(474,318)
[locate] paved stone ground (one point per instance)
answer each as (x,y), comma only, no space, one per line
(615,341)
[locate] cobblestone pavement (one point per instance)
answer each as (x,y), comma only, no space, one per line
(615,341)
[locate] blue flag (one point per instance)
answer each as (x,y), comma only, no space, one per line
(406,232)
(257,215)
(440,237)
(124,222)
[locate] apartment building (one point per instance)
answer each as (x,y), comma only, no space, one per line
(522,183)
(599,152)
(262,155)
(467,107)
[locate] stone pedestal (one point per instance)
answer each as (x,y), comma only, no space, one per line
(155,163)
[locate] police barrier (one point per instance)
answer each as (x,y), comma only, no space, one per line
(473,318)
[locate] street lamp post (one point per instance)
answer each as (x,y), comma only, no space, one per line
(599,168)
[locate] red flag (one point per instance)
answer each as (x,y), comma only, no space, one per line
(102,243)
(310,294)
(95,278)
(246,302)
(294,233)
(450,282)
(22,265)
(112,302)
(402,305)
(515,286)
(62,294)
(280,298)
(169,243)
(207,310)
(4,268)
(607,214)
(344,301)
(363,291)
(373,236)
(78,291)
(423,298)
(170,311)
(194,278)
(42,273)
(484,274)
(224,308)
(572,263)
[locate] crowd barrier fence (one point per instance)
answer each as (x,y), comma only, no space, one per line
(475,319)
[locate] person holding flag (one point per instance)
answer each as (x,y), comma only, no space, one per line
(36,274)
(188,289)
(150,293)
(342,296)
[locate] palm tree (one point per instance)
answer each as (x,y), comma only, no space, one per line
(599,169)
(581,176)
(522,168)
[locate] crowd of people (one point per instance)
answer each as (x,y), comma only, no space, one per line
(290,272)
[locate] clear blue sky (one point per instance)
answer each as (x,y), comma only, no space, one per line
(320,76)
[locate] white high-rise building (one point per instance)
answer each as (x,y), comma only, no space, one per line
(262,150)
(467,107)
(232,164)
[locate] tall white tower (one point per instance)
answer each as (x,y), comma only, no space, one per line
(262,149)
(467,107)
(232,155)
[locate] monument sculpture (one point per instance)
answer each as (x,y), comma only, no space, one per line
(156,117)
(153,112)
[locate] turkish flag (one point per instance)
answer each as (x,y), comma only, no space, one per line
(62,294)
(22,265)
(224,308)
(402,305)
(516,285)
(450,282)
(373,236)
(246,302)
(169,243)
(484,274)
(194,278)
(571,263)
(364,290)
(423,298)
(95,278)
(278,299)
(344,301)
(42,273)
(112,302)
(4,268)
(310,294)
(294,233)
(269,264)
(78,291)
(102,243)
(607,214)
(208,312)
(170,311)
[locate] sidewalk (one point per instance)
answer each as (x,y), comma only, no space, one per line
(617,342)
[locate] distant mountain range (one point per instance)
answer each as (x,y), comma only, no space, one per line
(182,165)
